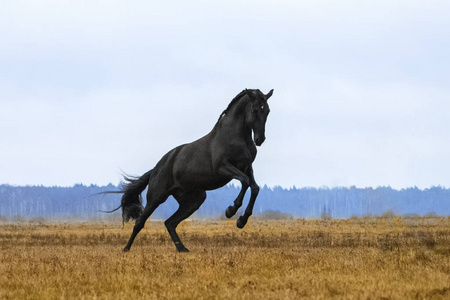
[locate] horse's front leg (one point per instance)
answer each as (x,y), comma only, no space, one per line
(242,220)
(232,209)
(227,169)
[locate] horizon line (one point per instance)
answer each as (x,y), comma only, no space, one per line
(322,187)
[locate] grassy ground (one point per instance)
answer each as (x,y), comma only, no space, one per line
(371,258)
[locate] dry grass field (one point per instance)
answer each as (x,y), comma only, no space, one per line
(358,258)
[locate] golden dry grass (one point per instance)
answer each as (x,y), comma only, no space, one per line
(372,258)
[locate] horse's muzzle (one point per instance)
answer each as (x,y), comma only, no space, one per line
(259,140)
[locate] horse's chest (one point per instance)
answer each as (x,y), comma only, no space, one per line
(242,156)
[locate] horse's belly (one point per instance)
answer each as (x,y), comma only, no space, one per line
(216,184)
(200,181)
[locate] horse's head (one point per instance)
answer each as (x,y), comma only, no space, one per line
(257,111)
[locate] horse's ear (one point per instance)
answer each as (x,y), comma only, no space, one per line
(269,94)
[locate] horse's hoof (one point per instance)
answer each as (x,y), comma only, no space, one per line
(241,222)
(126,249)
(231,211)
(181,248)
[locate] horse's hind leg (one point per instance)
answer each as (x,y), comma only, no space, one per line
(152,204)
(189,203)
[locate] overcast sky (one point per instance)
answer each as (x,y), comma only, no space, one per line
(90,88)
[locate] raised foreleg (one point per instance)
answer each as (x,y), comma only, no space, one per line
(242,220)
(227,169)
(232,209)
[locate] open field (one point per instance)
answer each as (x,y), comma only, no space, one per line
(371,258)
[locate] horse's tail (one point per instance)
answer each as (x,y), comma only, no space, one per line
(132,200)
(131,203)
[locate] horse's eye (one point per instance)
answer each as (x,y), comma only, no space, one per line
(262,107)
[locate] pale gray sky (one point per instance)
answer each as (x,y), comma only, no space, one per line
(362,94)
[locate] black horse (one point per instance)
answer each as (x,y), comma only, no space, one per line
(189,170)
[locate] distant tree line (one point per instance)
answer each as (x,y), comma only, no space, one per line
(80,202)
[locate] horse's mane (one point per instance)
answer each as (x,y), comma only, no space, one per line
(232,103)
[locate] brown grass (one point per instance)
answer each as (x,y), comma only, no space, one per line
(358,258)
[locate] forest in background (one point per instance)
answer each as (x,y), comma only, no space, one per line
(80,202)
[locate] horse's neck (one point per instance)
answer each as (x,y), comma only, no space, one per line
(234,121)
